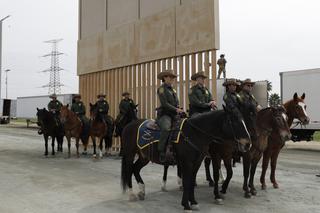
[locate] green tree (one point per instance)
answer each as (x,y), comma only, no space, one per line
(274,100)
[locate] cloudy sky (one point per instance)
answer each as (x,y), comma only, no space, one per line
(259,37)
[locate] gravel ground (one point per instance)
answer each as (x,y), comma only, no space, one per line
(29,182)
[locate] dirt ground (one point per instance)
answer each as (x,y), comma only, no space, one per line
(31,183)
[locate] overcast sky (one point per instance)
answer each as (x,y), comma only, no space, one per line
(259,37)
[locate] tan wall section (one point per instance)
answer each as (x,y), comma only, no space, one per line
(122,12)
(92,17)
(150,7)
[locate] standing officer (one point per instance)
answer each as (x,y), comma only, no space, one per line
(54,106)
(200,97)
(169,108)
(222,66)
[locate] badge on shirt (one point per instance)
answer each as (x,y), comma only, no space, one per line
(161,90)
(174,91)
(207,93)
(79,104)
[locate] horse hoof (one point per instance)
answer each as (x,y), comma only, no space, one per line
(141,196)
(133,197)
(84,153)
(188,211)
(219,201)
(276,186)
(253,192)
(223,191)
(211,183)
(263,186)
(164,189)
(195,207)
(94,156)
(247,195)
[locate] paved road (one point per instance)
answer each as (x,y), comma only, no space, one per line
(31,183)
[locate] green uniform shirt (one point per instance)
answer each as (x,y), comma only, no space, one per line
(78,108)
(103,106)
(168,100)
(199,98)
(54,105)
(233,102)
(248,100)
(125,105)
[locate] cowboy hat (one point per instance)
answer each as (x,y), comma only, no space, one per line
(125,93)
(162,74)
(197,75)
(101,95)
(77,96)
(247,81)
(53,96)
(231,81)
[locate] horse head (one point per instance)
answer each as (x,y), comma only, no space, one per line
(93,111)
(236,127)
(64,113)
(42,115)
(296,109)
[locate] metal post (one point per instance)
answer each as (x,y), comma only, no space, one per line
(1,51)
(7,82)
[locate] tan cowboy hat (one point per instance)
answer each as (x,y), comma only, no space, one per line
(231,81)
(125,93)
(101,95)
(53,96)
(162,74)
(197,75)
(247,81)
(77,96)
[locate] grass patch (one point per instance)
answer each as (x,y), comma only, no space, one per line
(316,136)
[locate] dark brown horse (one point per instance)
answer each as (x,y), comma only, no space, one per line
(296,109)
(195,136)
(98,129)
(267,120)
(73,128)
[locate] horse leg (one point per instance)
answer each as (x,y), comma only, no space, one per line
(207,162)
(137,166)
(179,176)
(52,145)
(100,148)
(46,145)
(246,169)
(77,146)
(254,162)
(274,158)
(228,166)
(126,175)
(164,178)
(216,160)
(265,162)
(69,146)
(193,202)
(187,183)
(94,147)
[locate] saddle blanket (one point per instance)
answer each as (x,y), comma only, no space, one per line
(147,136)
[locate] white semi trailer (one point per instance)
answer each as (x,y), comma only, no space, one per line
(303,81)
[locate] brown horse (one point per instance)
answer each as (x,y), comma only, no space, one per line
(73,128)
(296,109)
(267,119)
(98,129)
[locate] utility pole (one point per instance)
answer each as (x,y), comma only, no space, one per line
(1,50)
(54,83)
(6,71)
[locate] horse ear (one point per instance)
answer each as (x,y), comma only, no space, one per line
(224,107)
(303,96)
(37,109)
(67,105)
(295,96)
(91,104)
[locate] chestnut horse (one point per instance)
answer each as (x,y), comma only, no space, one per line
(296,109)
(267,119)
(98,129)
(73,128)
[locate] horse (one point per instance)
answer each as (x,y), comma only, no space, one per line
(73,128)
(49,128)
(268,119)
(123,119)
(195,136)
(98,129)
(296,109)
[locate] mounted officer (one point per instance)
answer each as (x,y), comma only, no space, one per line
(231,98)
(103,110)
(200,97)
(166,113)
(78,108)
(128,112)
(54,107)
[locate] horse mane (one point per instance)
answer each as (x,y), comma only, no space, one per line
(212,115)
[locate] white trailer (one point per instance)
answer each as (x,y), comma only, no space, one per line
(27,106)
(303,81)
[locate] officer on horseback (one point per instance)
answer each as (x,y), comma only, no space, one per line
(231,98)
(200,97)
(103,109)
(128,112)
(78,108)
(54,107)
(166,113)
